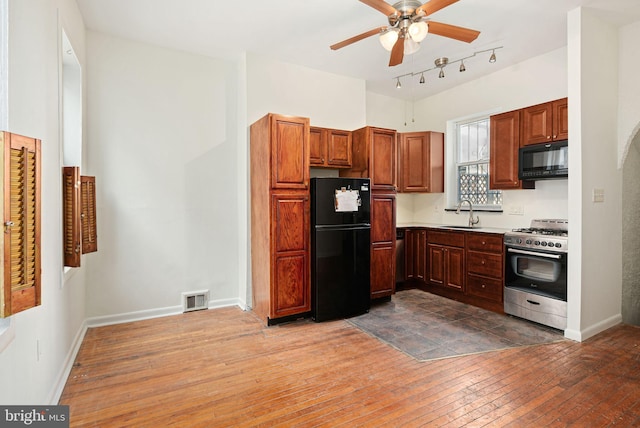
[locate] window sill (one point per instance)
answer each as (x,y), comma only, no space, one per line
(7,333)
(476,210)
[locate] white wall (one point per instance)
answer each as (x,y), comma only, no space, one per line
(328,100)
(163,143)
(537,80)
(629,88)
(595,262)
(33,366)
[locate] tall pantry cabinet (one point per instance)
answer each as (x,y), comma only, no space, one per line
(279,152)
(374,156)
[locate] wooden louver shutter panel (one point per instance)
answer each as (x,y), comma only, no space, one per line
(21,285)
(71,215)
(89,223)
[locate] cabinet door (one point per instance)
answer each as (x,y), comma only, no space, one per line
(317,146)
(410,253)
(503,163)
(289,152)
(383,159)
(436,264)
(421,162)
(338,148)
(290,291)
(537,124)
(382,270)
(421,255)
(561,119)
(454,262)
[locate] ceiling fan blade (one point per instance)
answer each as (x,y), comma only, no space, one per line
(453,32)
(433,6)
(397,53)
(357,38)
(381,6)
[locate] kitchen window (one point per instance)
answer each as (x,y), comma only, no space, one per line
(472,164)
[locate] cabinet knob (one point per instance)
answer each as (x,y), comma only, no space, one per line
(484,286)
(483,262)
(548,137)
(484,243)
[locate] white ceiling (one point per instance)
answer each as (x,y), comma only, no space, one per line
(301,31)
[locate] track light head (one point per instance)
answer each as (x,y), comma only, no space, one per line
(462,67)
(398,84)
(422,80)
(492,58)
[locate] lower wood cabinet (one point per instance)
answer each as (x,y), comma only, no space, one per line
(291,292)
(464,266)
(415,244)
(383,244)
(446,259)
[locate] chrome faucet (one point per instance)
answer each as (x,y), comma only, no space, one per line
(471,220)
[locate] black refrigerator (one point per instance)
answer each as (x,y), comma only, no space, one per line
(340,247)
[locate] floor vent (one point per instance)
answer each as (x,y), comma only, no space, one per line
(195,301)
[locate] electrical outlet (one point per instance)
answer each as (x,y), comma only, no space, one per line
(516,210)
(598,195)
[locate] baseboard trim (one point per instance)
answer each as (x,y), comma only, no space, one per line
(153,313)
(61,381)
(584,334)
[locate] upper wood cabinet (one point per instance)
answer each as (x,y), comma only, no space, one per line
(505,143)
(374,156)
(288,157)
(545,122)
(330,148)
(421,162)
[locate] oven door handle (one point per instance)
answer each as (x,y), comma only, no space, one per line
(532,253)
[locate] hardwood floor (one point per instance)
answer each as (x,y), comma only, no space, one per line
(222,367)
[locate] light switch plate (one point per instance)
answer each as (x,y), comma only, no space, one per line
(598,195)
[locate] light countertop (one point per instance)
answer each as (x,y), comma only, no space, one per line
(461,227)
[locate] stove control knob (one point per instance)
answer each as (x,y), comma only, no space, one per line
(529,241)
(543,243)
(558,245)
(519,240)
(550,244)
(536,243)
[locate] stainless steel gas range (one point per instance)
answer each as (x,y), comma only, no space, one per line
(536,272)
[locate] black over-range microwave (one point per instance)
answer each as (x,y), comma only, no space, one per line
(545,160)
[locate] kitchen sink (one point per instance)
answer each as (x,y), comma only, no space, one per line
(458,227)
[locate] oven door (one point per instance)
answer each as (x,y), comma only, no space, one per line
(537,272)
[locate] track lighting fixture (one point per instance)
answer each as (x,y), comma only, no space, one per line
(442,62)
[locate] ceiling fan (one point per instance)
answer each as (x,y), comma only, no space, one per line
(409,24)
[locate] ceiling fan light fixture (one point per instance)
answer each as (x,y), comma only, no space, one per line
(388,38)
(418,31)
(410,46)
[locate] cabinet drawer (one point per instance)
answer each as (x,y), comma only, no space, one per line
(487,264)
(487,288)
(452,239)
(485,242)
